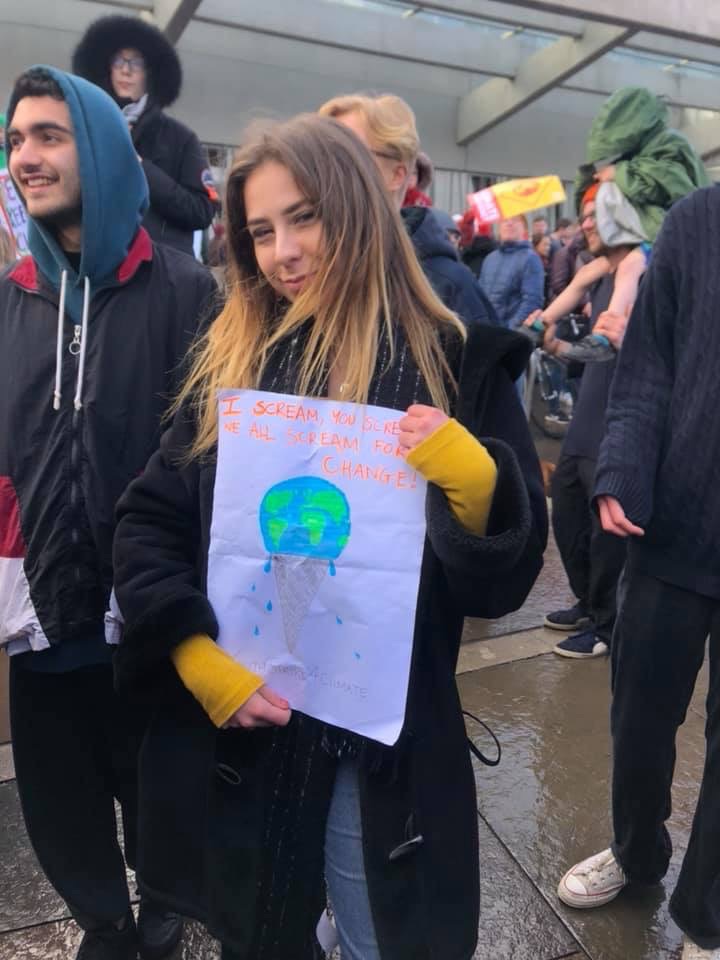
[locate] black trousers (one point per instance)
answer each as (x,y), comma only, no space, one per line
(657,651)
(593,560)
(75,746)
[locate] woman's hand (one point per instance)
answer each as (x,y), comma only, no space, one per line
(264,708)
(417,424)
(531,318)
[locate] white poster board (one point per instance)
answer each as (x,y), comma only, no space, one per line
(316,545)
(13,215)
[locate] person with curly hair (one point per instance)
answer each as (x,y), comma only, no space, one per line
(134,62)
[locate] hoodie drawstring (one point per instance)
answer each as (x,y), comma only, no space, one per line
(57,395)
(83,345)
(79,341)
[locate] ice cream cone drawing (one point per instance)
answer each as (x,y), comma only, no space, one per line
(305,525)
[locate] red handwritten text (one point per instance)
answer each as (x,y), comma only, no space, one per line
(286,411)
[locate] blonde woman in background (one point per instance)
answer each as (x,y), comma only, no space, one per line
(386,125)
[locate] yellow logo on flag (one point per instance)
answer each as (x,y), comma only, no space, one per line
(513,197)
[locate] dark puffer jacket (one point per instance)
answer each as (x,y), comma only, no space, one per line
(451,280)
(182,194)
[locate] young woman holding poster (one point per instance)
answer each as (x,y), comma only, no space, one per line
(248,807)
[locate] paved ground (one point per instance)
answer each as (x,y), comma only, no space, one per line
(545,806)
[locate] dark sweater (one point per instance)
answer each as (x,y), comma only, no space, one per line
(661,453)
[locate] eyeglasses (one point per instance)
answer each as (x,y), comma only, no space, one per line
(134,64)
(386,156)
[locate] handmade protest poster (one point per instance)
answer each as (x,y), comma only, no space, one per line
(316,544)
(12,212)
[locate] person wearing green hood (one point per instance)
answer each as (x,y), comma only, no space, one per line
(93,326)
(650,166)
(636,169)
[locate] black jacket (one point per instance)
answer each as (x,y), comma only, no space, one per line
(182,195)
(62,471)
(216,807)
(474,256)
(452,281)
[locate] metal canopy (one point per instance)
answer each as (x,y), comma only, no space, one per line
(469,68)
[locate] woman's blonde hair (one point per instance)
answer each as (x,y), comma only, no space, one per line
(390,123)
(368,276)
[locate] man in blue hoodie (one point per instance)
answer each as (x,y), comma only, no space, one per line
(512,276)
(93,326)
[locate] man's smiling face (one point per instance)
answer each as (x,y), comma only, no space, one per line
(43,160)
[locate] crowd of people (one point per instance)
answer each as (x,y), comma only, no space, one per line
(285,834)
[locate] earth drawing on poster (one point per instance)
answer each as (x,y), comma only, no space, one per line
(305,526)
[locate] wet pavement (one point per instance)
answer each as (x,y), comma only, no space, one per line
(548,801)
(542,809)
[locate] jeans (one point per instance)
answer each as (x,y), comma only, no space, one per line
(658,649)
(345,870)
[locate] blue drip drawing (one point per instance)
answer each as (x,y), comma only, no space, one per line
(305,526)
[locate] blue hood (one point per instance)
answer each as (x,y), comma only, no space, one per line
(114,193)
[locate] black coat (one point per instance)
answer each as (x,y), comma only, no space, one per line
(182,195)
(474,256)
(216,806)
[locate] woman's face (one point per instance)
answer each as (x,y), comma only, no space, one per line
(544,247)
(128,74)
(286,232)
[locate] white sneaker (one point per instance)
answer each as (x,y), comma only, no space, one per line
(592,882)
(691,951)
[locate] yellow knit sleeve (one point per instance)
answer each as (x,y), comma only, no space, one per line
(219,683)
(460,465)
